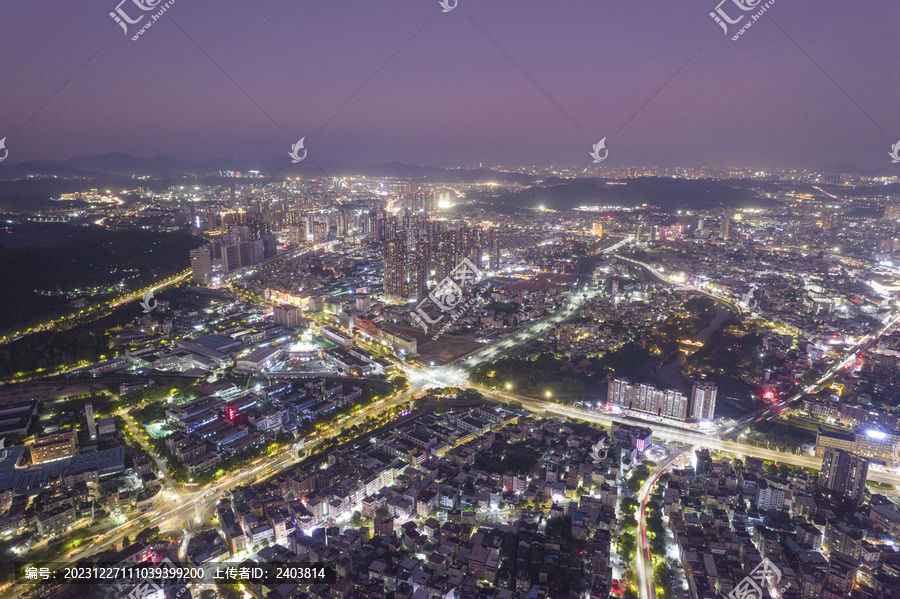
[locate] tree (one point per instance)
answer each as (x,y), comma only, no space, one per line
(626,546)
(357,519)
(634,484)
(630,505)
(629,522)
(147,534)
(658,544)
(228,591)
(662,577)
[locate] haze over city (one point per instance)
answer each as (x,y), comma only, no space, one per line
(500,83)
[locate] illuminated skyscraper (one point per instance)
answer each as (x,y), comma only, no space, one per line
(320,232)
(475,245)
(494,249)
(395,267)
(843,475)
(703,400)
(421,268)
(201,265)
(91,425)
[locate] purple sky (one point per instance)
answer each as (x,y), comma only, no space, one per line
(450,96)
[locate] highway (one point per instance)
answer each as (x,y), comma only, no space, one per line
(643,559)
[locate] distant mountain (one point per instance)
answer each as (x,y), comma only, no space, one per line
(121,164)
(654,191)
(115,164)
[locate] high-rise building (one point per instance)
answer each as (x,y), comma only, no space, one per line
(91,425)
(320,232)
(391,226)
(725,226)
(270,246)
(421,200)
(703,400)
(475,245)
(702,462)
(494,249)
(288,315)
(675,405)
(235,255)
(843,475)
(445,252)
(670,403)
(395,267)
(421,268)
(201,265)
(597,229)
(296,234)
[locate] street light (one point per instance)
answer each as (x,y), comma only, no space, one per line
(547,394)
(508,386)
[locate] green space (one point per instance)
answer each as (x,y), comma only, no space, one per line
(45,266)
(781,435)
(731,354)
(560,377)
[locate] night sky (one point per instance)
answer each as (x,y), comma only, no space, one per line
(499,82)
